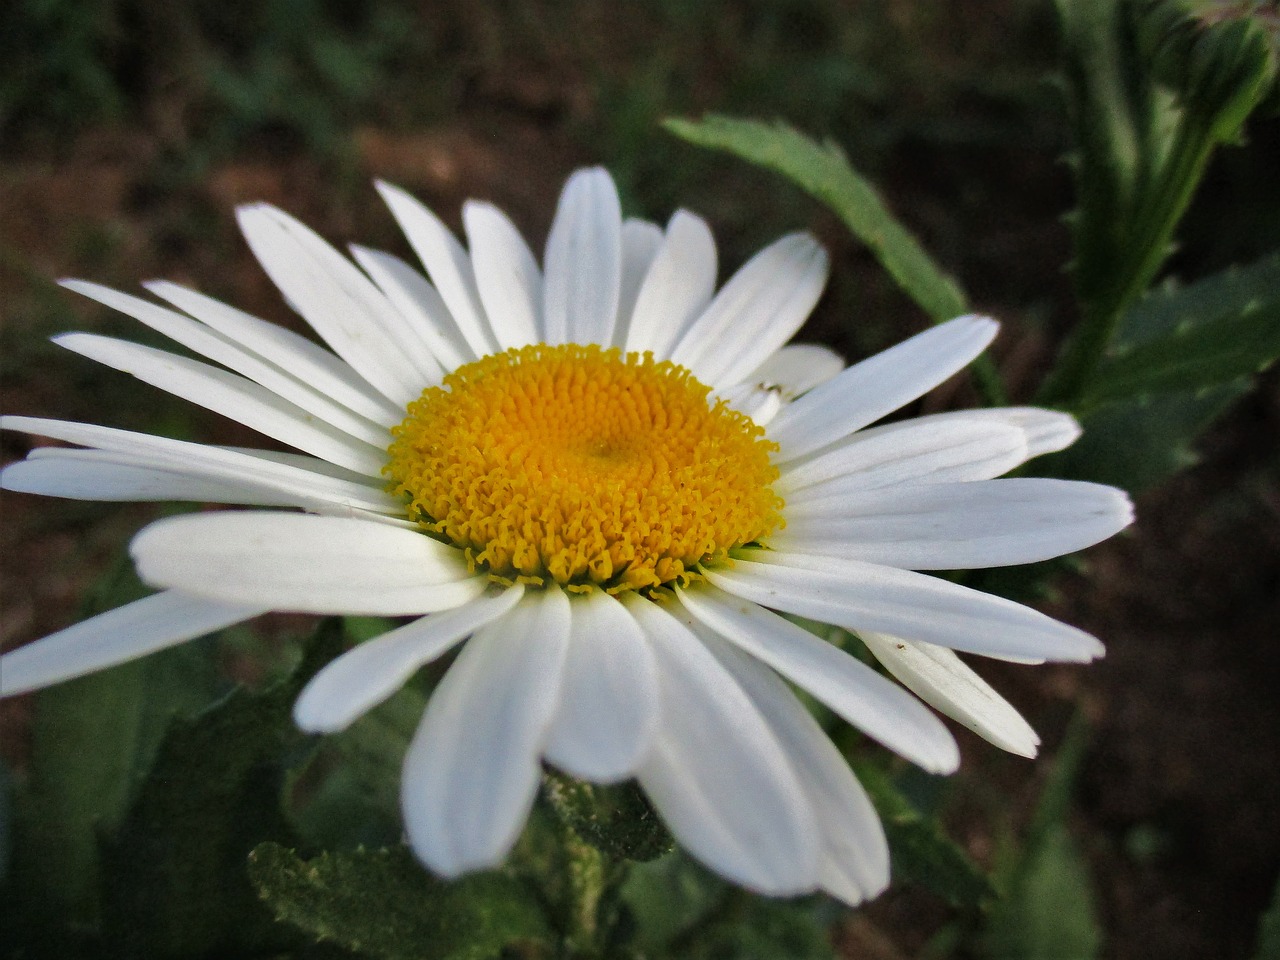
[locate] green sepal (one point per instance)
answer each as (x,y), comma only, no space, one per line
(386,905)
(617,820)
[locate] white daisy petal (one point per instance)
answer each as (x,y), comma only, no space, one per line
(867,596)
(609,702)
(584,261)
(641,241)
(342,306)
(447,263)
(878,707)
(472,770)
(855,855)
(756,312)
(125,633)
(507,275)
(958,526)
(716,772)
(797,368)
(1047,431)
(879,385)
(215,463)
(304,564)
(230,395)
(309,362)
(938,677)
(414,296)
(677,288)
(220,349)
(914,451)
(370,672)
(760,403)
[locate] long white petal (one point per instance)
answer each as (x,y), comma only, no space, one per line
(876,706)
(954,526)
(879,385)
(676,289)
(221,349)
(447,263)
(507,275)
(913,451)
(333,297)
(641,241)
(797,368)
(757,311)
(866,596)
(717,774)
(1047,431)
(215,463)
(414,296)
(328,374)
(230,395)
(609,702)
(855,854)
(472,770)
(367,674)
(940,678)
(125,633)
(584,261)
(302,563)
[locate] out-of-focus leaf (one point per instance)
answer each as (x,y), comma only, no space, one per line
(667,897)
(921,851)
(617,820)
(1269,930)
(174,871)
(384,904)
(823,171)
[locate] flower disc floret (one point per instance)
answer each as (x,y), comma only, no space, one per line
(585,466)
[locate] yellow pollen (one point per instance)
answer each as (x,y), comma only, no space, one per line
(581,465)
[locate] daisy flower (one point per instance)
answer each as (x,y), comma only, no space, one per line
(608,482)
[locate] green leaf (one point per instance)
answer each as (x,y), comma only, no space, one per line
(617,820)
(823,171)
(921,852)
(384,904)
(174,876)
(1269,930)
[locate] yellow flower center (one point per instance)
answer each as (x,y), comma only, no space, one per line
(583,465)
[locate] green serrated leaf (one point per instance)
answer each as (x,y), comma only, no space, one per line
(174,880)
(384,904)
(1191,358)
(823,171)
(1269,930)
(921,852)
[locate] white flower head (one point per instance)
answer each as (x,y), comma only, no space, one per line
(607,481)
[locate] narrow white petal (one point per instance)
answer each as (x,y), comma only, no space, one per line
(941,679)
(1047,431)
(797,368)
(472,770)
(878,707)
(914,451)
(757,311)
(507,275)
(855,854)
(879,385)
(866,596)
(348,312)
(447,263)
(584,261)
(717,774)
(125,633)
(677,288)
(958,526)
(302,563)
(215,463)
(311,363)
(760,403)
(640,243)
(221,349)
(609,702)
(367,674)
(414,296)
(230,395)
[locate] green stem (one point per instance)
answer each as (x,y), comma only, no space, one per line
(588,875)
